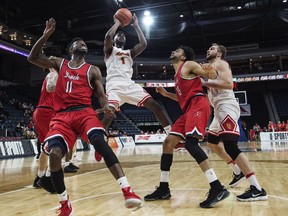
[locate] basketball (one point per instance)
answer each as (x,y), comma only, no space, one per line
(124,16)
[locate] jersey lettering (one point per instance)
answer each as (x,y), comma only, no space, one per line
(178,90)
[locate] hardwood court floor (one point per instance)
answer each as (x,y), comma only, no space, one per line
(93,191)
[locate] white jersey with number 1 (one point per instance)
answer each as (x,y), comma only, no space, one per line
(120,88)
(119,65)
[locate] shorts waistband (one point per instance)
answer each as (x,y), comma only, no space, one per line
(196,95)
(45,107)
(74,108)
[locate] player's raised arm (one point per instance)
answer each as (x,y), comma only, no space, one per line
(140,47)
(108,42)
(35,56)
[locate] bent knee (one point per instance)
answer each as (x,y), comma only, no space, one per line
(56,153)
(213,147)
(168,146)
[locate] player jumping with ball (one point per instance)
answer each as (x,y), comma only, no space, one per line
(120,88)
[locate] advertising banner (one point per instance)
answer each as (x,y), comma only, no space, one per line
(274,136)
(127,141)
(115,142)
(12,149)
(149,138)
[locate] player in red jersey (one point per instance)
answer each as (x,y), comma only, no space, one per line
(190,126)
(77,82)
(42,115)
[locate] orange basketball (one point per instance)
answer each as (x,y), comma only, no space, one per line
(124,16)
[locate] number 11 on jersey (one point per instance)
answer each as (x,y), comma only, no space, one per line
(69,87)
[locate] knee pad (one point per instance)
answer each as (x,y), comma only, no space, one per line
(94,133)
(96,138)
(57,142)
(232,149)
(213,139)
(195,150)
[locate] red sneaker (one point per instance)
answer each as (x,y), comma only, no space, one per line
(131,199)
(98,157)
(65,208)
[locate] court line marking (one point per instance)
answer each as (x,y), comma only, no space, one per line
(119,192)
(193,189)
(30,186)
(99,170)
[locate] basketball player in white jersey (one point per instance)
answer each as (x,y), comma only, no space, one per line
(120,88)
(224,125)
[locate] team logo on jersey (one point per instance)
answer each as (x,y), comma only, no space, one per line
(122,53)
(228,124)
(72,77)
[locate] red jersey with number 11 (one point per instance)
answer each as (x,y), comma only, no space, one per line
(73,87)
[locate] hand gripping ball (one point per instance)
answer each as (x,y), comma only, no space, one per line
(124,16)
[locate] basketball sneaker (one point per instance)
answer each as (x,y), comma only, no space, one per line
(237,179)
(65,208)
(214,196)
(35,185)
(70,168)
(46,183)
(74,166)
(131,199)
(158,194)
(98,157)
(253,194)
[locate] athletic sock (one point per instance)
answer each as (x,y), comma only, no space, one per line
(234,167)
(123,182)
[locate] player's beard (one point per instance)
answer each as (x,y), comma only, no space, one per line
(81,52)
(120,44)
(210,57)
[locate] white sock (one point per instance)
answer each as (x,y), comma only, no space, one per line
(63,196)
(167,129)
(40,173)
(123,182)
(48,173)
(234,167)
(253,181)
(164,177)
(210,175)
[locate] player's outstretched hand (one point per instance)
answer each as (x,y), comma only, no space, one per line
(50,27)
(135,20)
